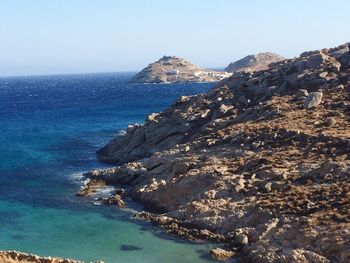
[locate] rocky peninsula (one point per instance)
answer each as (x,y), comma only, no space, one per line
(260,163)
(171,69)
(260,61)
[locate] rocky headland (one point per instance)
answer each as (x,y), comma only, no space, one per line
(260,163)
(251,63)
(171,69)
(19,257)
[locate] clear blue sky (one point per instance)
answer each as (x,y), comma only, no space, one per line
(72,36)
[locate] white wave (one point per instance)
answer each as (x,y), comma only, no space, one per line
(121,132)
(104,192)
(76,176)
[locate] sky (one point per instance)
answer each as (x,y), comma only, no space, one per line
(83,36)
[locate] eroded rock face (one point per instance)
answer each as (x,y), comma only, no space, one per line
(253,63)
(171,69)
(248,163)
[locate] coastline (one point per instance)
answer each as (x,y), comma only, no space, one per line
(15,256)
(242,165)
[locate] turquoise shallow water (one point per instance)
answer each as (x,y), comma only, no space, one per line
(50,128)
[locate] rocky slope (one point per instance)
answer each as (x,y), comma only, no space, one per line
(18,257)
(261,162)
(170,69)
(256,62)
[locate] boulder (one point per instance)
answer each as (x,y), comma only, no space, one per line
(180,167)
(241,240)
(221,254)
(115,200)
(316,60)
(301,93)
(330,121)
(313,100)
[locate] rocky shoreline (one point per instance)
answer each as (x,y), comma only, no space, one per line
(15,256)
(261,162)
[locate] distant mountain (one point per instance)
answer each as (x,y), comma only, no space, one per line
(171,69)
(256,62)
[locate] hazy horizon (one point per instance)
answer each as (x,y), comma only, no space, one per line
(77,37)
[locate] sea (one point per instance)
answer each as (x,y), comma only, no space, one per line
(50,129)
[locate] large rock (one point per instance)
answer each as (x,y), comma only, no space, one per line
(301,93)
(313,100)
(221,254)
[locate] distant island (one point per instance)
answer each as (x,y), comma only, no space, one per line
(171,69)
(260,61)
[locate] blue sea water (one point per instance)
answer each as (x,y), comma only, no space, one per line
(50,128)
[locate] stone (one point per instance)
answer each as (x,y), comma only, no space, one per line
(330,121)
(238,188)
(183,99)
(115,200)
(152,117)
(221,254)
(340,87)
(241,240)
(224,108)
(316,60)
(120,191)
(180,167)
(301,93)
(268,187)
(300,65)
(313,100)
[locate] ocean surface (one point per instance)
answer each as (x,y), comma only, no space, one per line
(50,128)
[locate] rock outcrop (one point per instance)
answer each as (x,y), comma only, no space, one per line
(256,62)
(261,162)
(170,69)
(18,257)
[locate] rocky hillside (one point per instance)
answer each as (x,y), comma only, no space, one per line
(261,162)
(18,257)
(256,62)
(170,69)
